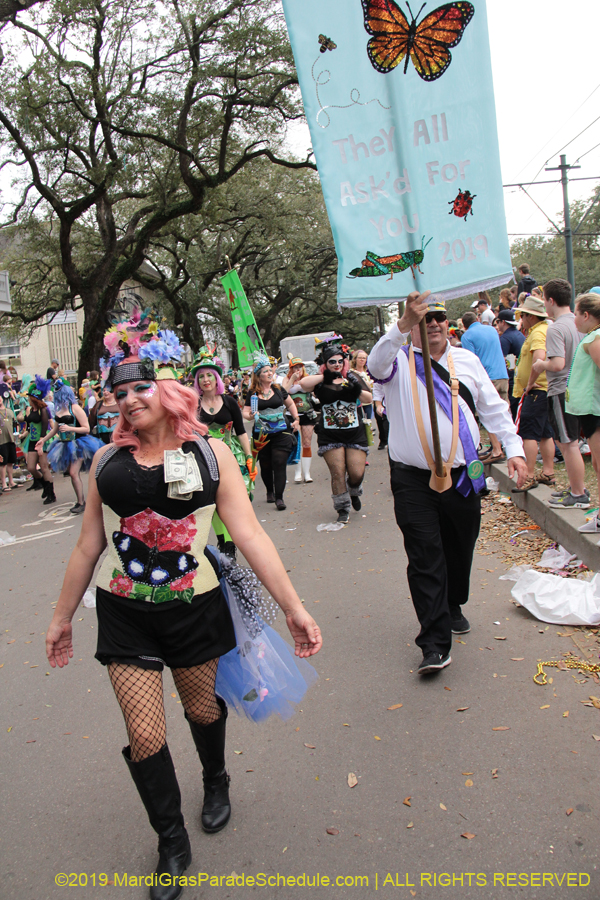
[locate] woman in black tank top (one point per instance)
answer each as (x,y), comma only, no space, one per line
(159,600)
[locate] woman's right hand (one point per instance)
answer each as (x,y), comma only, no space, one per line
(59,644)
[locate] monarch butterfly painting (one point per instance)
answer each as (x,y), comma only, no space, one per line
(427,43)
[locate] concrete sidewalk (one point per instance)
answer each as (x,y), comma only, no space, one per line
(560,524)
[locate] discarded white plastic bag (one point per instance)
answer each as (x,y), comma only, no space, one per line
(513,574)
(6,538)
(330,526)
(556,558)
(89,599)
(560,601)
(491,484)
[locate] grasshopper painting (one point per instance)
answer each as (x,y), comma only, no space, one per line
(374,265)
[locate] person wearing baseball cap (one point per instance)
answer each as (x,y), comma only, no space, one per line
(531,388)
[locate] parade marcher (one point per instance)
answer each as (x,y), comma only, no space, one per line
(223,418)
(341,435)
(270,425)
(583,385)
(439,529)
(104,416)
(531,389)
(74,450)
(358,364)
(8,450)
(37,420)
(159,601)
(306,413)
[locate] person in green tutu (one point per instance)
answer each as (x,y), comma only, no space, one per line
(220,412)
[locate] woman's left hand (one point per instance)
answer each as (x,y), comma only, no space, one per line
(64,428)
(295,425)
(306,633)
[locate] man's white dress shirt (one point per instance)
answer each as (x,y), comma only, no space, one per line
(404,443)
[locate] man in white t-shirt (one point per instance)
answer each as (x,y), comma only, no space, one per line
(485,313)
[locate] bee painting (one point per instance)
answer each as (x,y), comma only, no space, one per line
(326,43)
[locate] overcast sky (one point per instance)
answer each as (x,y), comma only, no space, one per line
(545,67)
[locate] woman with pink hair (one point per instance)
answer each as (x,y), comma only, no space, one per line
(341,434)
(151,498)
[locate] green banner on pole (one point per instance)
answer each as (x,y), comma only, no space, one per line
(244,324)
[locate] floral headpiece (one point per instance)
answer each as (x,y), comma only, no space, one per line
(41,388)
(139,337)
(206,358)
(261,360)
(329,347)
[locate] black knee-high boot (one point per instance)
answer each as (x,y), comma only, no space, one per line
(210,744)
(157,786)
(48,493)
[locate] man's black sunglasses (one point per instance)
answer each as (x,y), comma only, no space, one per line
(435,316)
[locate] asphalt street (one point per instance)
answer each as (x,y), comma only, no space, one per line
(476,776)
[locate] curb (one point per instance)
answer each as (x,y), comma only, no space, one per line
(560,524)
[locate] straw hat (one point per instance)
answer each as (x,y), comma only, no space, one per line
(534,306)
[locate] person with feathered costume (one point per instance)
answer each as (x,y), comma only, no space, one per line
(161,602)
(75,447)
(36,417)
(222,415)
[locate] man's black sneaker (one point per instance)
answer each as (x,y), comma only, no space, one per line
(460,625)
(432,662)
(356,504)
(343,517)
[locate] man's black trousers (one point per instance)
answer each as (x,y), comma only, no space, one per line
(440,532)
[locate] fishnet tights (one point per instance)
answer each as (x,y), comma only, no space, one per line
(344,460)
(140,696)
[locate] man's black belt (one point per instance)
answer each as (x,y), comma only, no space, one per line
(399,465)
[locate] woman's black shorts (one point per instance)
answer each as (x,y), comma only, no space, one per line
(173,634)
(589,424)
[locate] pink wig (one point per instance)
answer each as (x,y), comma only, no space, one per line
(181,405)
(344,372)
(220,385)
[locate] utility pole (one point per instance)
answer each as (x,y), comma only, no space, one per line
(568,235)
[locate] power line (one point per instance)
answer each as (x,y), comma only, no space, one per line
(553,181)
(585,154)
(551,138)
(573,139)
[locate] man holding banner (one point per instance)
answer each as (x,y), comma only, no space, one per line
(440,522)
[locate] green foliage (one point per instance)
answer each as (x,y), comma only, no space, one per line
(271,224)
(119,118)
(546,256)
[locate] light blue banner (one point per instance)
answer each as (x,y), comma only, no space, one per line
(405,143)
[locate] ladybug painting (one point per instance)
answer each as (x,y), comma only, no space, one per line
(462,204)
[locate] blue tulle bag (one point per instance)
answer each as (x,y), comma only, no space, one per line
(261,676)
(294,457)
